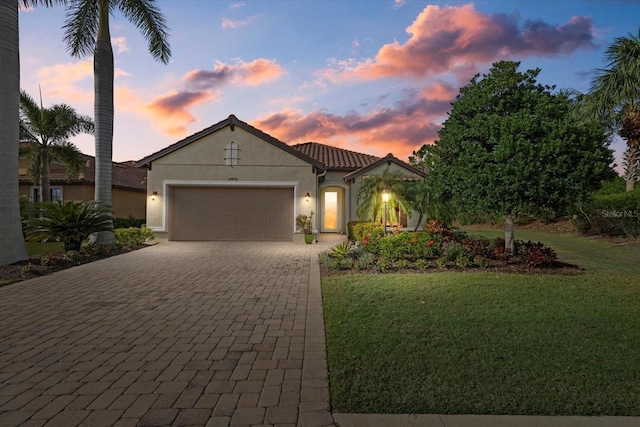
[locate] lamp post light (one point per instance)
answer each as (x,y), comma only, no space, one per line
(385,199)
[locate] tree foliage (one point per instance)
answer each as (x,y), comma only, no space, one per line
(510,147)
(46,133)
(68,222)
(370,204)
(615,96)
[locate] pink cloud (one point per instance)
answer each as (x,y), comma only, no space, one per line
(401,129)
(251,73)
(448,39)
(172,110)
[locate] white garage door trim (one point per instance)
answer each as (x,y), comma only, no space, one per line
(267,184)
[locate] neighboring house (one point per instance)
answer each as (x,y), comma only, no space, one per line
(129,192)
(232,181)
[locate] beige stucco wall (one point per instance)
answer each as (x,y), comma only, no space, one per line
(355,186)
(203,163)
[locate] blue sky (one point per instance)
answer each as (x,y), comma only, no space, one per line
(374,76)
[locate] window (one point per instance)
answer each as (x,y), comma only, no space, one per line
(231,154)
(56,194)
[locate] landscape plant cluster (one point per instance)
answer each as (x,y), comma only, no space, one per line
(436,247)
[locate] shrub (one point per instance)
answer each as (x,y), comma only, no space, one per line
(422,263)
(350,230)
(341,250)
(402,263)
(367,258)
(362,230)
(395,246)
(452,250)
(68,222)
(128,222)
(609,213)
(477,246)
(424,245)
(133,237)
(536,254)
(435,226)
(497,249)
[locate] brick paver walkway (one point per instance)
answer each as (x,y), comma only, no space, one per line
(183,334)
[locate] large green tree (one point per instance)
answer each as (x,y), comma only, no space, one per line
(511,147)
(12,248)
(615,98)
(87,33)
(44,135)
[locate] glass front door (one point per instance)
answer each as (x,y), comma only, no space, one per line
(330,212)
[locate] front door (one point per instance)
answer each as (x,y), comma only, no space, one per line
(330,210)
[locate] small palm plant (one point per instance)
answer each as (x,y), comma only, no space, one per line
(68,222)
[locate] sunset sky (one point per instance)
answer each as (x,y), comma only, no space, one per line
(374,76)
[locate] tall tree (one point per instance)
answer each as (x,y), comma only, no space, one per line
(615,96)
(12,248)
(510,147)
(87,33)
(46,133)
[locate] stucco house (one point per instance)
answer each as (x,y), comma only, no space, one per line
(128,191)
(232,181)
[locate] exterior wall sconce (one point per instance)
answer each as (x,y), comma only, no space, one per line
(307,196)
(153,195)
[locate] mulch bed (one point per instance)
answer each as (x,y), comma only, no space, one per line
(514,265)
(44,264)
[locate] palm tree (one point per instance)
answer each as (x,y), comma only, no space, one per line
(370,204)
(87,32)
(12,248)
(615,95)
(425,200)
(46,132)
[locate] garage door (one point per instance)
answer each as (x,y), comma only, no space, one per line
(231,213)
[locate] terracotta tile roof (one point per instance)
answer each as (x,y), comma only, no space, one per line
(335,158)
(124,175)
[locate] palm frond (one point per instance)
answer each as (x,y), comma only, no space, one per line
(146,15)
(81,27)
(68,154)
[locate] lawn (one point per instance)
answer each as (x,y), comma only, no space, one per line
(490,343)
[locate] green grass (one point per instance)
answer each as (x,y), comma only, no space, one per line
(38,248)
(490,343)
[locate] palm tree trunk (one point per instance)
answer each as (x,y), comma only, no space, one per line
(12,248)
(103,107)
(45,178)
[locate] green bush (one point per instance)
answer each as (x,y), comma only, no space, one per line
(394,247)
(363,230)
(133,237)
(68,222)
(128,222)
(610,213)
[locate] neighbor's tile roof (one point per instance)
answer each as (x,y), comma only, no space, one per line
(124,175)
(335,158)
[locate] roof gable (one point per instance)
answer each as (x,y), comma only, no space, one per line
(231,121)
(389,158)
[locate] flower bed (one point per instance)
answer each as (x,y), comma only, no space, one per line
(436,248)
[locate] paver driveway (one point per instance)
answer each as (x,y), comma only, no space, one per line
(210,333)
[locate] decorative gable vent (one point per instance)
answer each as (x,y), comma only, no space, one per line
(231,154)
